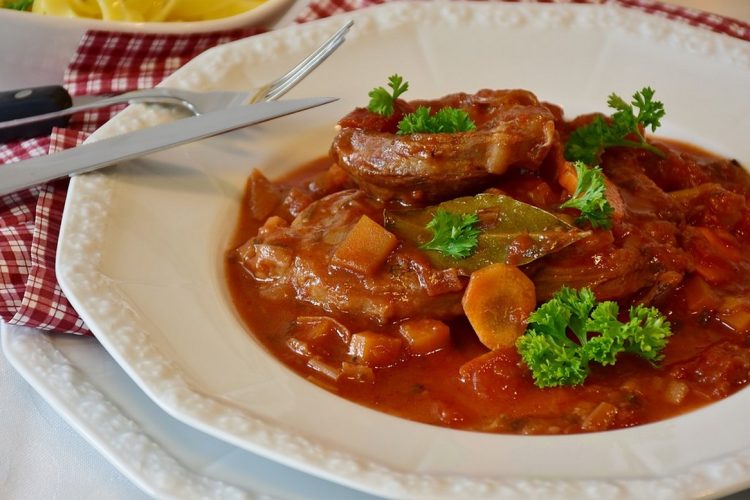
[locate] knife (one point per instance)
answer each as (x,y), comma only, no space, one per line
(33,101)
(87,157)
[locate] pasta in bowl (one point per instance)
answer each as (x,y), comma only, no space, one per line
(32,32)
(158,16)
(138,10)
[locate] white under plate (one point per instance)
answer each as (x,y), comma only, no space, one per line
(163,457)
(142,247)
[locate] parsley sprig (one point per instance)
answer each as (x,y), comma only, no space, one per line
(454,235)
(444,121)
(624,128)
(381,100)
(555,359)
(590,198)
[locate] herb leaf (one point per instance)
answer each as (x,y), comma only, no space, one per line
(381,100)
(444,121)
(590,197)
(454,235)
(555,359)
(587,143)
(511,232)
(18,4)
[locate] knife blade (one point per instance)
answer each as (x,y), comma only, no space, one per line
(87,157)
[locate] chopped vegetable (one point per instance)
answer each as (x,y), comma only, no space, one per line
(365,248)
(18,4)
(444,121)
(590,197)
(497,302)
(699,295)
(374,349)
(509,231)
(425,335)
(555,359)
(601,418)
(381,100)
(454,235)
(587,143)
(263,195)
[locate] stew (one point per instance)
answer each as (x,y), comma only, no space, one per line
(331,270)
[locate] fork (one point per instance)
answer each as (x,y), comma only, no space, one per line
(198,103)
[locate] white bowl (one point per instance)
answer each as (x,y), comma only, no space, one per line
(36,49)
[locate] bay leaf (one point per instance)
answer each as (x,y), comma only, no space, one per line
(512,232)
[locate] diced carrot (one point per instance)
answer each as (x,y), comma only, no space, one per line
(273,223)
(496,374)
(716,253)
(295,201)
(333,179)
(365,248)
(721,243)
(374,349)
(498,302)
(317,336)
(263,195)
(715,272)
(567,177)
(735,313)
(699,296)
(738,320)
(425,335)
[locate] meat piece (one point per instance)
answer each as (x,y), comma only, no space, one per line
(405,286)
(613,269)
(711,205)
(513,130)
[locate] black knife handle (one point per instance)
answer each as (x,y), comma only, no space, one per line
(21,103)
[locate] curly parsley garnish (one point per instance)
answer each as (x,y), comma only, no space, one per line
(624,128)
(444,121)
(381,100)
(590,198)
(454,235)
(555,359)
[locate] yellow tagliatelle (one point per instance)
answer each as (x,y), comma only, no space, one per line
(145,10)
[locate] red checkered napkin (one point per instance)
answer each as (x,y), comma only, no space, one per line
(104,63)
(107,63)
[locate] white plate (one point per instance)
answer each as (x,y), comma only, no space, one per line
(160,455)
(141,249)
(27,38)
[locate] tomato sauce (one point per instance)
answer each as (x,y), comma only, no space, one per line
(686,222)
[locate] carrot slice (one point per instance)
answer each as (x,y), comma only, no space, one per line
(498,302)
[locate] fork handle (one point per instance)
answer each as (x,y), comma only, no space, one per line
(22,103)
